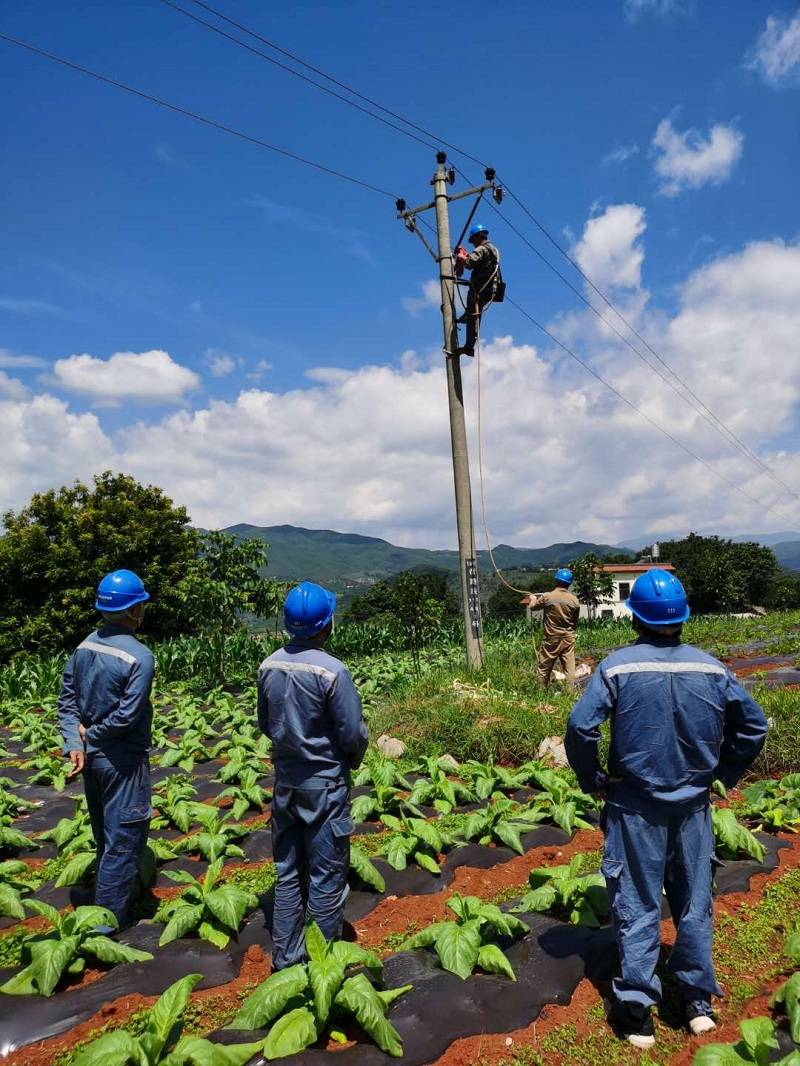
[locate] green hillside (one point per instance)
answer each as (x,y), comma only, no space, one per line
(351,561)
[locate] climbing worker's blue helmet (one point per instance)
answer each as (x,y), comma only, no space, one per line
(564,576)
(658,599)
(477,230)
(307,609)
(120,590)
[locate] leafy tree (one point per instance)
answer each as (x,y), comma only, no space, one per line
(504,603)
(784,592)
(719,575)
(225,584)
(56,549)
(591,583)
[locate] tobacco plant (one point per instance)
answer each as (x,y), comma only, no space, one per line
(216,837)
(365,869)
(417,840)
(246,794)
(732,839)
(470,940)
(439,791)
(300,1002)
(758,1045)
(501,822)
(162,1043)
(562,890)
(215,911)
(12,888)
(384,799)
(65,948)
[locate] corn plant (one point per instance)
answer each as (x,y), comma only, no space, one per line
(246,794)
(300,1002)
(216,837)
(415,839)
(65,948)
(162,1042)
(12,888)
(564,891)
(732,839)
(215,911)
(384,799)
(470,940)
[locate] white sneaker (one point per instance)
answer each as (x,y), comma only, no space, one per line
(702,1024)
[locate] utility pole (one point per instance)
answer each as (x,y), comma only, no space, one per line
(468,564)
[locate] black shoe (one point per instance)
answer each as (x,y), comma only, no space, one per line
(632,1024)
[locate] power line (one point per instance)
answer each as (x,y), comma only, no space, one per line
(689,395)
(656,425)
(334,81)
(290,70)
(194,115)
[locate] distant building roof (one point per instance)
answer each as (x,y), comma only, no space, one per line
(634,568)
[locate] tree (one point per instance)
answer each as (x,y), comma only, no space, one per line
(56,549)
(503,603)
(224,585)
(591,583)
(719,575)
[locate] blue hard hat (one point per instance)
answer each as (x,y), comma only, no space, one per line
(658,599)
(120,590)
(307,609)
(476,229)
(564,575)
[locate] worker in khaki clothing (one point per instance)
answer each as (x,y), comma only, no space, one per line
(561,609)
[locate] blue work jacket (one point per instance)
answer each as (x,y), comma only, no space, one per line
(679,720)
(106,687)
(309,708)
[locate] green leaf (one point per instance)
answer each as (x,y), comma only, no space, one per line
(90,917)
(107,950)
(788,997)
(541,900)
(427,863)
(326,976)
(43,974)
(350,954)
(397,853)
(457,947)
(366,870)
(45,910)
(718,1055)
(792,946)
(316,944)
(76,870)
(389,995)
(758,1035)
(11,903)
(492,960)
(209,930)
(183,921)
(292,1033)
(268,1000)
(169,1006)
(427,833)
(197,1051)
(509,834)
(228,905)
(118,1047)
(425,938)
(180,877)
(360,998)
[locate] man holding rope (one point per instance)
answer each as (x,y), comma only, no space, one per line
(484,265)
(561,609)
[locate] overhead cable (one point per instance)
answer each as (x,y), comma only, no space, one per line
(213,123)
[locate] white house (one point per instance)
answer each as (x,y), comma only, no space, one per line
(624,575)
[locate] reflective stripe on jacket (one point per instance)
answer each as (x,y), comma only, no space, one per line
(106,687)
(309,708)
(679,720)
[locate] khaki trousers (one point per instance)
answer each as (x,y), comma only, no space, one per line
(555,651)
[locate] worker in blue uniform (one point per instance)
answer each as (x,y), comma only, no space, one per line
(106,718)
(309,708)
(679,720)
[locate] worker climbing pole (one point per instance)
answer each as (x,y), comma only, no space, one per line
(470,589)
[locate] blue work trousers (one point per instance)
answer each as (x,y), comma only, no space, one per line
(311,830)
(118,796)
(645,853)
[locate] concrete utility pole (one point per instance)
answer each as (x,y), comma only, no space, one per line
(470,591)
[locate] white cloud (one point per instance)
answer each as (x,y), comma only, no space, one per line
(219,362)
(151,377)
(368,450)
(262,367)
(776,55)
(18,361)
(17,305)
(637,9)
(621,154)
(609,250)
(689,160)
(11,388)
(431,297)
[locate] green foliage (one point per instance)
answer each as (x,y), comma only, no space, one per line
(161,1043)
(384,800)
(438,790)
(470,940)
(719,575)
(214,910)
(732,839)
(562,890)
(12,841)
(246,795)
(56,549)
(215,840)
(363,867)
(501,822)
(504,602)
(414,839)
(591,584)
(774,805)
(64,949)
(300,1002)
(757,1045)
(12,888)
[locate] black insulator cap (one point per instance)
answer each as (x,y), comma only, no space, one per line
(489,172)
(441,158)
(400,205)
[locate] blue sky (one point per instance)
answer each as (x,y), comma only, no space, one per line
(128,229)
